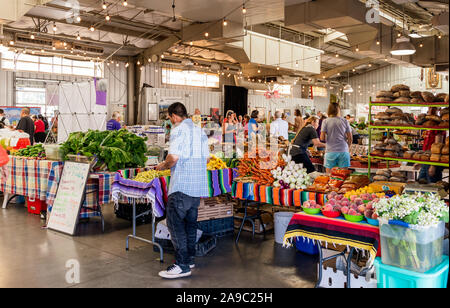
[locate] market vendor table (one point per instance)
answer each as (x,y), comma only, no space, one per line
(29,178)
(156,193)
(258,194)
(335,231)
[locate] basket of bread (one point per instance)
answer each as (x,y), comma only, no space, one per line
(401,93)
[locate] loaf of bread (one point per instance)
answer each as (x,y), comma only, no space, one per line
(402,99)
(445,117)
(416,94)
(433,118)
(425,157)
(408,154)
(390,154)
(382,116)
(397,179)
(383,99)
(380,178)
(444,124)
(430,124)
(440,97)
(417,156)
(428,97)
(436,148)
(417,101)
(444,158)
(435,157)
(377,153)
(399,87)
(384,94)
(445,150)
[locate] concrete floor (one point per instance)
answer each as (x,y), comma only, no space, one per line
(34,257)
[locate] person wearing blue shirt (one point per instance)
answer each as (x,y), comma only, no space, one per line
(253,125)
(114,123)
(187,160)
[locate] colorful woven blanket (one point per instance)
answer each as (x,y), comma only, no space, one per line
(336,231)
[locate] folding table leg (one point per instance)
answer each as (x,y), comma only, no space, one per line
(243,221)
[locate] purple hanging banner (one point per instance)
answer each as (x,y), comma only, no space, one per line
(100,92)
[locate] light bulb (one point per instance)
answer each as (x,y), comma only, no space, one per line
(225,22)
(244,10)
(78,18)
(54,28)
(12,43)
(337,55)
(32,36)
(104,6)
(124,3)
(206,34)
(108,18)
(92,28)
(191,43)
(378,42)
(127,64)
(278,68)
(78,37)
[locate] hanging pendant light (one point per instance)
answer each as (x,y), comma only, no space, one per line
(348,88)
(403,47)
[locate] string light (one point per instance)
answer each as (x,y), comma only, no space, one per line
(225,22)
(191,43)
(78,36)
(127,64)
(421,45)
(108,18)
(278,68)
(124,3)
(32,36)
(378,42)
(78,18)
(92,28)
(54,27)
(206,34)
(104,6)
(296,63)
(244,10)
(12,43)
(162,56)
(337,55)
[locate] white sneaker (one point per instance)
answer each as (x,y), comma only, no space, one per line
(192,266)
(174,271)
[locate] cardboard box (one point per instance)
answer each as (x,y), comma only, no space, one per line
(213,208)
(384,186)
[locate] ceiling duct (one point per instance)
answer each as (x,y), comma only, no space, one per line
(441,22)
(89,49)
(39,42)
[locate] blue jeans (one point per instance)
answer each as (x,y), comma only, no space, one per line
(182,215)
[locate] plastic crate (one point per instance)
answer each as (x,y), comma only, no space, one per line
(394,277)
(204,246)
(411,247)
(305,246)
(36,206)
(217,227)
(125,211)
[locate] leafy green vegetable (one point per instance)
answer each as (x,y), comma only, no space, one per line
(116,149)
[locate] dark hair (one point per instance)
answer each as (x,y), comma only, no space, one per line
(2,111)
(247,117)
(178,109)
(255,114)
(333,109)
(298,113)
(26,110)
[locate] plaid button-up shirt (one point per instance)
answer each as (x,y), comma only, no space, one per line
(189,175)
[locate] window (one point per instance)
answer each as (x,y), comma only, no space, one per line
(52,65)
(319,91)
(190,78)
(34,97)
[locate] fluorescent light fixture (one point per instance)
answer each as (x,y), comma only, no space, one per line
(348,89)
(403,47)
(415,35)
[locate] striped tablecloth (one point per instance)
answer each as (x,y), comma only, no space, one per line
(30,177)
(275,196)
(337,231)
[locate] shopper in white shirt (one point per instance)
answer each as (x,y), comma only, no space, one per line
(279,127)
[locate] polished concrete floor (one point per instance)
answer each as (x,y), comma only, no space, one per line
(34,257)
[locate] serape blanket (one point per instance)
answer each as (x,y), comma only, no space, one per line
(336,231)
(29,177)
(126,190)
(139,192)
(274,195)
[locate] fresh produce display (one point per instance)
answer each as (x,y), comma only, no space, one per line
(149,176)
(117,149)
(257,166)
(354,182)
(330,183)
(293,176)
(363,190)
(216,163)
(36,152)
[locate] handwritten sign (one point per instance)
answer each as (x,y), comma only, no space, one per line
(71,190)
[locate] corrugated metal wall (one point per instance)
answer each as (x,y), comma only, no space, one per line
(366,85)
(258,101)
(117,81)
(6,88)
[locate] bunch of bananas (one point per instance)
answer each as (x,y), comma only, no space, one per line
(148,176)
(216,163)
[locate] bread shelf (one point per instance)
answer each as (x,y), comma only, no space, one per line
(406,104)
(407,127)
(422,162)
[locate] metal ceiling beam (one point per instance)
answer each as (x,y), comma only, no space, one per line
(343,68)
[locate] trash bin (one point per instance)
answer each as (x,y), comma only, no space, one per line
(281,220)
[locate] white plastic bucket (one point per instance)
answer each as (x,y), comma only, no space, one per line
(281,221)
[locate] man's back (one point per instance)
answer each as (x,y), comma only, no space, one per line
(280,128)
(189,175)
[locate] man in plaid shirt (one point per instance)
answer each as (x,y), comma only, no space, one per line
(187,158)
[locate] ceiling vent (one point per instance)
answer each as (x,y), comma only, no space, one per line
(88,49)
(38,42)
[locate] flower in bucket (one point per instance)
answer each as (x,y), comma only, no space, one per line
(417,209)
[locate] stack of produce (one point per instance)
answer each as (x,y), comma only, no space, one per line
(115,149)
(355,205)
(390,176)
(256,167)
(402,93)
(291,177)
(149,176)
(35,152)
(430,121)
(216,163)
(363,190)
